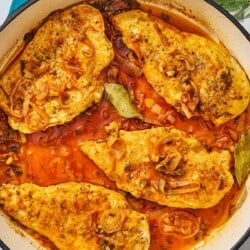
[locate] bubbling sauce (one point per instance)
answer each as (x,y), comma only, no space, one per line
(53,156)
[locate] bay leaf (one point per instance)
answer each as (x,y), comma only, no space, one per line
(118,95)
(242,158)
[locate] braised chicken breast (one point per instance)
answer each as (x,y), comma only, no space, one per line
(56,77)
(77,215)
(164,165)
(195,75)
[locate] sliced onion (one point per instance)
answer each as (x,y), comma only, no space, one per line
(112,73)
(118,149)
(11,98)
(42,121)
(90,52)
(189,65)
(187,112)
(170,162)
(180,224)
(26,104)
(74,68)
(111,221)
(182,187)
(129,67)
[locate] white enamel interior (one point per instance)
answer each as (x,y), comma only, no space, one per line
(220,27)
(4,9)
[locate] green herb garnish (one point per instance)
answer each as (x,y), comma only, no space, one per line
(241,8)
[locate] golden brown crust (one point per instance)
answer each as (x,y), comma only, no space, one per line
(195,75)
(164,165)
(56,76)
(77,215)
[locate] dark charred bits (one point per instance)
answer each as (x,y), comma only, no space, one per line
(6,133)
(29,36)
(165,17)
(13,147)
(22,66)
(226,78)
(114,7)
(13,170)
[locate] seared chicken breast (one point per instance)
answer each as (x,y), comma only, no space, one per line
(196,75)
(164,165)
(77,215)
(56,77)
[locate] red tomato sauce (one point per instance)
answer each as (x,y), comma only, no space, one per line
(53,156)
